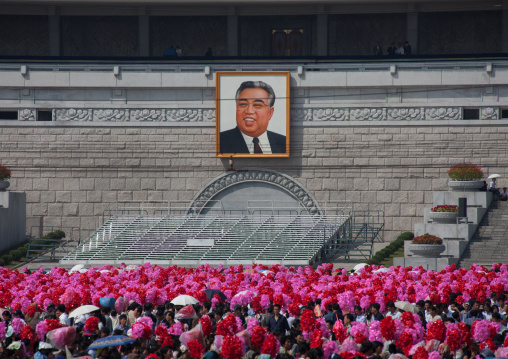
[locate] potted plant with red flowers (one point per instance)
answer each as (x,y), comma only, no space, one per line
(427,245)
(5,174)
(444,214)
(465,176)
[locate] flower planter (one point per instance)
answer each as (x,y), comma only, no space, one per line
(427,250)
(465,185)
(444,217)
(4,185)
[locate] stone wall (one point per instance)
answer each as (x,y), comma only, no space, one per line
(72,174)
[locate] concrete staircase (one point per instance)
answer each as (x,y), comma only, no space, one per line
(489,243)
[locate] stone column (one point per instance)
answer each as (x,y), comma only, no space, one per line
(144,35)
(54,34)
(232,44)
(322,34)
(412,30)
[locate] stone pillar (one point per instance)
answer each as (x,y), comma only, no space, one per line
(233,41)
(504,28)
(412,30)
(144,35)
(54,35)
(322,34)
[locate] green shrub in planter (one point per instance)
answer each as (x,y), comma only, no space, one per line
(2,262)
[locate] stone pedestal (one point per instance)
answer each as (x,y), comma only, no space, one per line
(456,236)
(435,264)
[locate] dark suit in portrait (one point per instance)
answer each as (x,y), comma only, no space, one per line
(232,141)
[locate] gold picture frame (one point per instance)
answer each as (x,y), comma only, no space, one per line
(261,103)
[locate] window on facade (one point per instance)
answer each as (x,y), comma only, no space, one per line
(8,115)
(44,115)
(471,114)
(287,42)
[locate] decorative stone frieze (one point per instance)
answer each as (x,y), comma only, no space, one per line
(327,114)
(442,113)
(27,115)
(208,115)
(489,113)
(147,115)
(301,114)
(72,114)
(331,114)
(368,114)
(405,114)
(184,115)
(111,115)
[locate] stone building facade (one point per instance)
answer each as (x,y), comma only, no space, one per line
(379,136)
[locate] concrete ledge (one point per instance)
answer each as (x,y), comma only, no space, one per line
(474,214)
(474,198)
(435,264)
(183,263)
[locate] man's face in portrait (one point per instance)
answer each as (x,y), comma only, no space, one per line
(253,111)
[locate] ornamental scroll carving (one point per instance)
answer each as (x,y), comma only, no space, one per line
(208,115)
(255,175)
(72,114)
(301,114)
(368,114)
(182,114)
(331,114)
(111,115)
(489,113)
(147,115)
(442,113)
(27,115)
(405,114)
(325,114)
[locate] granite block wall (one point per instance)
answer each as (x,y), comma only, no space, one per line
(72,174)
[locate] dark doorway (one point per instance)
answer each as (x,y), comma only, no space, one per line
(286,42)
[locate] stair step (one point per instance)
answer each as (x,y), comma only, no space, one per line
(488,244)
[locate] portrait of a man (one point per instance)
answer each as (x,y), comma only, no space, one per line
(254,108)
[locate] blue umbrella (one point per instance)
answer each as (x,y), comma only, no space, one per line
(111,341)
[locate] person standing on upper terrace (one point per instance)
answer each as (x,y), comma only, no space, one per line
(378,51)
(494,189)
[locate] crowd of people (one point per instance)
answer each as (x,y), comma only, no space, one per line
(255,313)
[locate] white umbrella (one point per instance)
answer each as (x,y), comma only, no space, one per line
(77,267)
(84,309)
(405,306)
(382,270)
(495,175)
(243,292)
(132,267)
(359,266)
(184,300)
